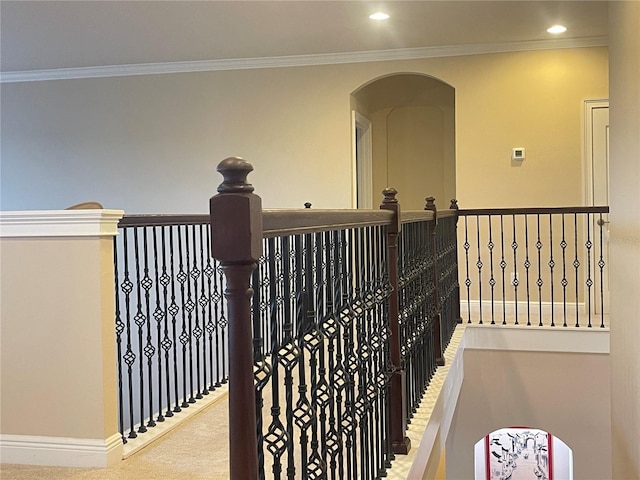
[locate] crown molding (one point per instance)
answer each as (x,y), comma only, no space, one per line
(295,60)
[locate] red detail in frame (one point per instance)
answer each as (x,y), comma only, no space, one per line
(550,454)
(487,462)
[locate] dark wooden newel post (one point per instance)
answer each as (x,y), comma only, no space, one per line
(400,443)
(236,242)
(437,329)
(454,206)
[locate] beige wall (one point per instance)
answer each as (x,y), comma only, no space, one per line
(624,38)
(559,392)
(151,143)
(57,351)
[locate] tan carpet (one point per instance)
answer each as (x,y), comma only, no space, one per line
(196,450)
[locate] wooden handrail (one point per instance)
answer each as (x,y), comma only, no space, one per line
(531,210)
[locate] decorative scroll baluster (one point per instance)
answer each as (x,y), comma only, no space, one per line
(166,343)
(539,281)
(527,264)
(479,267)
(552,264)
(576,265)
(467,280)
(564,282)
(173,310)
(159,315)
(120,326)
(515,281)
(189,306)
(492,280)
(199,300)
(601,265)
(503,265)
(589,280)
(149,349)
(140,321)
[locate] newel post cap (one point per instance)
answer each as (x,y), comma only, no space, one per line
(236,215)
(390,202)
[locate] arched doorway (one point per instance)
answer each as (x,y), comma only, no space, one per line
(412,139)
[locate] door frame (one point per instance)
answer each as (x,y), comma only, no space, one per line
(362,164)
(588,181)
(589,106)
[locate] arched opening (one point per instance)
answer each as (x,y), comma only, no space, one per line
(412,139)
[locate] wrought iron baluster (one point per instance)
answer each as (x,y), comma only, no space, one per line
(276,438)
(190,306)
(165,281)
(515,281)
(129,356)
(576,264)
(149,349)
(564,282)
(209,270)
(479,266)
(333,441)
(205,304)
(589,280)
(601,265)
(492,280)
(261,374)
(341,355)
(140,320)
(174,310)
(159,315)
(303,412)
(503,265)
(527,264)
(323,390)
(119,327)
(539,281)
(182,278)
(552,264)
(467,280)
(349,416)
(289,353)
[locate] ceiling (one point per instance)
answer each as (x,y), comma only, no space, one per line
(39,35)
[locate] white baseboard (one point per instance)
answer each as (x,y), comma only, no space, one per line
(60,451)
(530,311)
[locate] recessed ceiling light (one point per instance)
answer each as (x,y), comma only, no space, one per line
(557,29)
(379,16)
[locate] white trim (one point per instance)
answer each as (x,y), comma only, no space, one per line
(295,60)
(59,223)
(363,177)
(60,451)
(537,339)
(587,149)
(525,308)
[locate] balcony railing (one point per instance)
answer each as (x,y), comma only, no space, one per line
(171,323)
(535,266)
(334,321)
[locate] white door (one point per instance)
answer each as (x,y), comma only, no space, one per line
(597,188)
